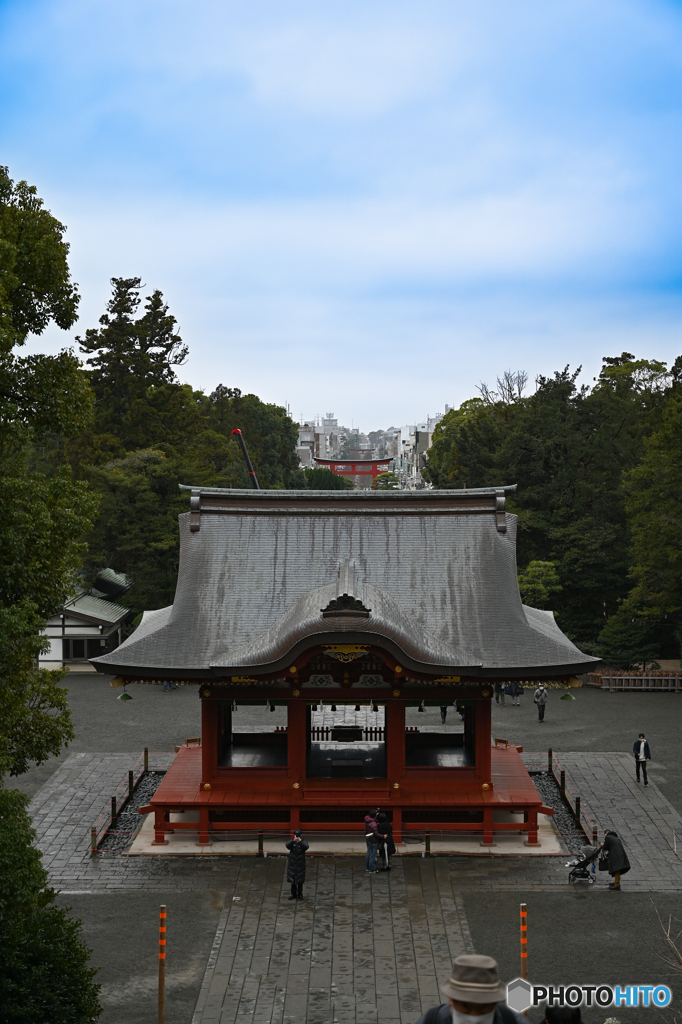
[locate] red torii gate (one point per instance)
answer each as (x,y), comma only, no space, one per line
(367,468)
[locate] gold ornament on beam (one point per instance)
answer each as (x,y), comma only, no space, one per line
(346,652)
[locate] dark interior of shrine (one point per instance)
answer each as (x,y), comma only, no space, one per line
(345,739)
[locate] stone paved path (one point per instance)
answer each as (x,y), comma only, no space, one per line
(354,944)
(647,823)
(358,948)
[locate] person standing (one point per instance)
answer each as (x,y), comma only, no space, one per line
(540,699)
(613,857)
(387,845)
(372,840)
(296,864)
(499,692)
(515,689)
(642,754)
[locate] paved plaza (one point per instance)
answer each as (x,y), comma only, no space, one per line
(359,948)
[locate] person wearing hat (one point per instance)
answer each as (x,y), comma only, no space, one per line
(296,864)
(475,995)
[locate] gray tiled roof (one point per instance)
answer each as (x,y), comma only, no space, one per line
(441,588)
(95,608)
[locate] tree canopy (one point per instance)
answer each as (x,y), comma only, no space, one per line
(45,515)
(595,469)
(44,973)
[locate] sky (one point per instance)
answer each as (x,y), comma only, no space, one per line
(365,208)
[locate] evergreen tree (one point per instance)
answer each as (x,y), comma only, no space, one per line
(322,479)
(44,973)
(45,516)
(566,448)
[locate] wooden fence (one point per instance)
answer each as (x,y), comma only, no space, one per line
(662,681)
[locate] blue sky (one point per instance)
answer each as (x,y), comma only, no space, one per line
(369,207)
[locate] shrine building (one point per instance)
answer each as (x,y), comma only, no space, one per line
(370,602)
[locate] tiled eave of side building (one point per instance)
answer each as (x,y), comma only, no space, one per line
(429,576)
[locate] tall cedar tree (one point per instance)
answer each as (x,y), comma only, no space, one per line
(151,433)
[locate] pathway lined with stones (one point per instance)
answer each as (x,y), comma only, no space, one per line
(644,819)
(356,950)
(359,948)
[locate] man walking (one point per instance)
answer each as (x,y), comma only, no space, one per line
(642,754)
(540,699)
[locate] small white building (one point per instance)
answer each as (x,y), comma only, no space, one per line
(88,625)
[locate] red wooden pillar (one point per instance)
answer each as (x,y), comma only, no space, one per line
(488,829)
(395,758)
(209,739)
(204,837)
(532,827)
(483,740)
(296,739)
(395,739)
(159,827)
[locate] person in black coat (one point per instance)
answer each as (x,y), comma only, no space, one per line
(642,752)
(387,845)
(614,855)
(296,864)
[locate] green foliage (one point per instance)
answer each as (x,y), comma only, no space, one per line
(650,619)
(151,433)
(35,284)
(325,480)
(350,443)
(537,582)
(628,639)
(567,449)
(386,482)
(44,973)
(45,515)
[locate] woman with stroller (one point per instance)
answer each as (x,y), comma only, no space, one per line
(386,840)
(613,857)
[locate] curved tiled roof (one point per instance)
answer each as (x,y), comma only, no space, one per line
(432,572)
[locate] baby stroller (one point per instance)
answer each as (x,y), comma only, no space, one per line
(581,869)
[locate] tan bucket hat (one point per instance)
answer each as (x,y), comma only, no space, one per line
(474,979)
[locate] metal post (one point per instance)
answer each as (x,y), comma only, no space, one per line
(549,760)
(93,841)
(146,760)
(249,466)
(562,783)
(577,810)
(162,961)
(131,785)
(427,842)
(524,945)
(260,843)
(113,812)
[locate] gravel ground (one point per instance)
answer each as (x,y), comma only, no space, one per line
(128,821)
(563,819)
